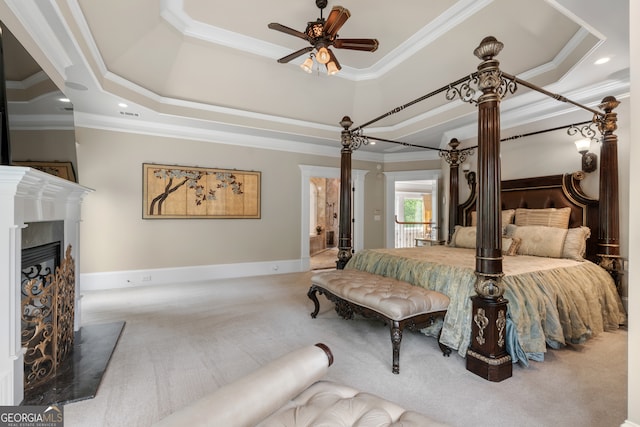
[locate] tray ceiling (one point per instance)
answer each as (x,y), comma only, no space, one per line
(209,70)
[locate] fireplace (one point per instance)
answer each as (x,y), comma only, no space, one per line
(31,201)
(47,288)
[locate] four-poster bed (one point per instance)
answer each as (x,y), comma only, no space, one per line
(508,308)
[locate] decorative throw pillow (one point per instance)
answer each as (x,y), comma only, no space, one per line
(510,246)
(575,244)
(550,217)
(464,237)
(507,217)
(541,241)
(509,229)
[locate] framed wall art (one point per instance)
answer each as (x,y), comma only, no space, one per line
(171,191)
(59,169)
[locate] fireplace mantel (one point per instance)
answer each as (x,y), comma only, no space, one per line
(29,195)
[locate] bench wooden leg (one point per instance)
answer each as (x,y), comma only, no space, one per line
(396,338)
(316,304)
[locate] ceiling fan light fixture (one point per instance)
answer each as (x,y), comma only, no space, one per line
(321,35)
(323,55)
(307,65)
(332,68)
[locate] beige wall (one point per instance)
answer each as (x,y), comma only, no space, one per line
(44,146)
(114,237)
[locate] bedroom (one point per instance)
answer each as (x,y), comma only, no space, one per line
(112,213)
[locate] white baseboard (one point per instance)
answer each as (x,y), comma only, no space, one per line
(160,276)
(629,424)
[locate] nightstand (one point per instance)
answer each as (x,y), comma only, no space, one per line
(428,242)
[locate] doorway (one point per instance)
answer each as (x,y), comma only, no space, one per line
(306,230)
(324,206)
(412,207)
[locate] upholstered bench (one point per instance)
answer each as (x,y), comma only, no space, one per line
(290,392)
(398,303)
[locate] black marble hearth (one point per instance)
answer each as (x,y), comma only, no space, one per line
(79,376)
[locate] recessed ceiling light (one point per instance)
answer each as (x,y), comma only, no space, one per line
(123,105)
(602,60)
(64,100)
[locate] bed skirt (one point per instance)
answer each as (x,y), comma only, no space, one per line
(551,302)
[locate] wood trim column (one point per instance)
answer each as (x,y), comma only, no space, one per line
(608,253)
(345,239)
(487,355)
(5,145)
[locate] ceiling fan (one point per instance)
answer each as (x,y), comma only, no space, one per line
(322,34)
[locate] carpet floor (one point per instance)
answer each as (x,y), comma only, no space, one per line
(185,340)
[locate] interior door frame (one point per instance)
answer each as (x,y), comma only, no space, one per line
(357,180)
(390,196)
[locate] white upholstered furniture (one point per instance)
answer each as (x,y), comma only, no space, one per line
(398,303)
(290,392)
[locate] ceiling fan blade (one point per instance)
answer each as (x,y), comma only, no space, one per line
(287,30)
(333,58)
(295,54)
(336,20)
(369,45)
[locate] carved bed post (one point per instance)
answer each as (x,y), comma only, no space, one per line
(344,227)
(487,355)
(454,193)
(609,209)
(454,157)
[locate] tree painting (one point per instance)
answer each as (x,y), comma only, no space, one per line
(174,192)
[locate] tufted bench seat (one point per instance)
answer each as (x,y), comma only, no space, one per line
(398,303)
(290,392)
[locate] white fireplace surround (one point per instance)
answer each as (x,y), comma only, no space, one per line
(29,195)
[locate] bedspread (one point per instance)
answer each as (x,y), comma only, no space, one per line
(552,301)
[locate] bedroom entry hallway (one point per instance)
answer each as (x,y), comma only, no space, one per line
(324,211)
(413,208)
(320,208)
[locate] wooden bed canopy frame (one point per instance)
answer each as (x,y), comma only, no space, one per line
(485,88)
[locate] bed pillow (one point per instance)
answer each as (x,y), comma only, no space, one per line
(550,217)
(507,217)
(465,237)
(575,244)
(510,245)
(538,240)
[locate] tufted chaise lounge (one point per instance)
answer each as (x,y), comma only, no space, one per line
(290,392)
(398,303)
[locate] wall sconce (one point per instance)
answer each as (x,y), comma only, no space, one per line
(589,160)
(469,175)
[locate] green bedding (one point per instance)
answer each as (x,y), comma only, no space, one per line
(551,301)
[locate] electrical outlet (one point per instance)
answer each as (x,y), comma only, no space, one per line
(146,278)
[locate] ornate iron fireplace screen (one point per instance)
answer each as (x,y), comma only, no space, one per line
(47,310)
